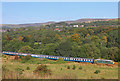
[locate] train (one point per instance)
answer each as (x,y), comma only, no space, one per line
(103,61)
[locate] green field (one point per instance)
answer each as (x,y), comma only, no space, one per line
(60,71)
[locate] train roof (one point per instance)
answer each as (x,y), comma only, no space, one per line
(81,58)
(103,59)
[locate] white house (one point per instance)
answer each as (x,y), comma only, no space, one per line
(75,26)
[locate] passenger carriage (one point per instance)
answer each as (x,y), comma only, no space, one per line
(81,60)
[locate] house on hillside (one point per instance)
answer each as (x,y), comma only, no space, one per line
(81,26)
(75,25)
(57,29)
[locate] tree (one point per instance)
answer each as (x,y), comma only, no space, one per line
(113,53)
(105,38)
(64,49)
(20,38)
(90,31)
(49,49)
(26,49)
(76,38)
(91,51)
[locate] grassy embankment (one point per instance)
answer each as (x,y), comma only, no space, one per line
(59,70)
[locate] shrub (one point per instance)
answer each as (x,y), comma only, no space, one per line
(28,57)
(4,69)
(3,56)
(97,71)
(25,58)
(19,71)
(65,66)
(74,67)
(60,61)
(16,57)
(42,70)
(80,67)
(27,68)
(44,59)
(61,68)
(68,67)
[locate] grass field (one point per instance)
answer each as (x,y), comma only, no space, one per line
(60,71)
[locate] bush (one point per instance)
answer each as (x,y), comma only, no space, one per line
(28,57)
(16,57)
(25,58)
(28,68)
(19,71)
(3,56)
(4,69)
(80,67)
(74,67)
(97,71)
(60,61)
(42,70)
(65,66)
(68,67)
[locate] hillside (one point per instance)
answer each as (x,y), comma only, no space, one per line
(52,22)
